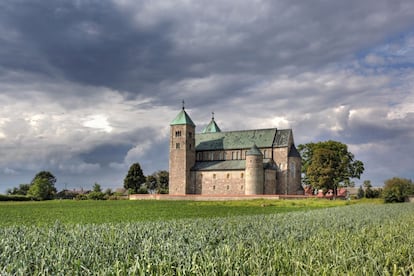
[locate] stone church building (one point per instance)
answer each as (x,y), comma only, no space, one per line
(246,162)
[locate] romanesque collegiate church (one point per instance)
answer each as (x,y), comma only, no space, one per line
(245,162)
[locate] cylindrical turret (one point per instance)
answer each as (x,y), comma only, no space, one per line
(254,172)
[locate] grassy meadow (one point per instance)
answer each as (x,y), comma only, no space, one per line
(258,237)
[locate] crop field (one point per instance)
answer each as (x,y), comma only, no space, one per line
(362,239)
(115,211)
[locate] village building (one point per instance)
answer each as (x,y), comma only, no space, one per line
(245,162)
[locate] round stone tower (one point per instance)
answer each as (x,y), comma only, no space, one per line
(254,172)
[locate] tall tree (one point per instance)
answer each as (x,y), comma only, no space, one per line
(45,175)
(152,182)
(163,179)
(43,186)
(329,165)
(158,182)
(134,179)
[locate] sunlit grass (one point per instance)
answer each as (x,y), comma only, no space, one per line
(97,212)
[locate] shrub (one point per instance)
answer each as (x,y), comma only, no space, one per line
(142,190)
(96,195)
(81,197)
(397,189)
(14,198)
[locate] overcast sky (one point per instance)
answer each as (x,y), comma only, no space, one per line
(88,87)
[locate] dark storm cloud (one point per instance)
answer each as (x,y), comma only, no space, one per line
(99,43)
(87,42)
(88,87)
(105,154)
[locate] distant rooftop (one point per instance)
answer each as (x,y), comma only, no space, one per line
(211,127)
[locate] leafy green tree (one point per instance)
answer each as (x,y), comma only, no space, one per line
(158,182)
(329,165)
(397,189)
(42,189)
(21,190)
(134,179)
(48,176)
(361,192)
(369,193)
(96,188)
(142,190)
(163,180)
(96,193)
(152,182)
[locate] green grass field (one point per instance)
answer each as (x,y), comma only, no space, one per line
(97,212)
(206,238)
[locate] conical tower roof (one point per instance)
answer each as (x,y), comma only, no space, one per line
(182,119)
(211,127)
(254,151)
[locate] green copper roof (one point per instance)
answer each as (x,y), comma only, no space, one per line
(211,127)
(182,119)
(263,138)
(254,151)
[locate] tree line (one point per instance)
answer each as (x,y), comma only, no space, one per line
(42,187)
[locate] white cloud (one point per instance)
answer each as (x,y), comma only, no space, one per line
(99,122)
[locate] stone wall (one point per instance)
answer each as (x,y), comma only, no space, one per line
(220,182)
(270,182)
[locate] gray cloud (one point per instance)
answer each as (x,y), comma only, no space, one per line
(88,87)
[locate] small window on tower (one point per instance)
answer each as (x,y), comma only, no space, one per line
(178,133)
(177,146)
(190,134)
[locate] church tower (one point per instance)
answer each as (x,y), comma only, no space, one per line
(182,154)
(254,172)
